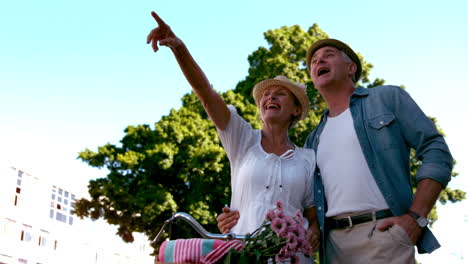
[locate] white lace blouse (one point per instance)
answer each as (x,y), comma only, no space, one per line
(259,179)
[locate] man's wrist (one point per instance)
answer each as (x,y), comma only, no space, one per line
(420,220)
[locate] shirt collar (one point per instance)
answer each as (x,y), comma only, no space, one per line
(359,92)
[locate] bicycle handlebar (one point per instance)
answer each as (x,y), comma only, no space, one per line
(202,231)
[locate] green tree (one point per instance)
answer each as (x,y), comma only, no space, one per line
(180,165)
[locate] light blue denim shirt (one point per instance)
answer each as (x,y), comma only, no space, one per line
(388,124)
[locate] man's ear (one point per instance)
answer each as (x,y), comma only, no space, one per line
(352,68)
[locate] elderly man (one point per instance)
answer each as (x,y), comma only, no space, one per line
(366,208)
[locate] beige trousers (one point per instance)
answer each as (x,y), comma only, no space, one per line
(365,244)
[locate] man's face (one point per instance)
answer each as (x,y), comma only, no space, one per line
(328,66)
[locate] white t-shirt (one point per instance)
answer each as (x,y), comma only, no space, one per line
(349,184)
(259,179)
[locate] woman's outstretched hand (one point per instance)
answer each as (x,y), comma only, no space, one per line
(162,34)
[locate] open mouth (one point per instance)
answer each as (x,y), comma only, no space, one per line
(322,71)
(272,106)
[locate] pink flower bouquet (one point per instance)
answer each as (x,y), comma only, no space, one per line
(278,239)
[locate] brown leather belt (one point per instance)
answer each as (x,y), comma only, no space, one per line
(351,221)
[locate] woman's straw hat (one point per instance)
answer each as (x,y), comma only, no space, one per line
(298,89)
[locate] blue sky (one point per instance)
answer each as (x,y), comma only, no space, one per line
(73,75)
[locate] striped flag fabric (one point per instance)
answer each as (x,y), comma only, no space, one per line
(222,250)
(193,250)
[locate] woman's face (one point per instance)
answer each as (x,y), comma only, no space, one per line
(278,105)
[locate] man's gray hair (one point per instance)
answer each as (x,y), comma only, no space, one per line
(348,59)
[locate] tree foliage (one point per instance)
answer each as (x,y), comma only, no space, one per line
(180,165)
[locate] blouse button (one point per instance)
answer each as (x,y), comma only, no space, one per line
(381,122)
(319,208)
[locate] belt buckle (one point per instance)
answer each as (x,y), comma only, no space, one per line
(350,222)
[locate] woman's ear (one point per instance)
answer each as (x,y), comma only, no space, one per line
(298,111)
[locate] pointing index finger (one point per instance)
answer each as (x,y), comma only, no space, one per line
(158,19)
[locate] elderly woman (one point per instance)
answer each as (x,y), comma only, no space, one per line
(265,165)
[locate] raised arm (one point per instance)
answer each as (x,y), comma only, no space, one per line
(212,102)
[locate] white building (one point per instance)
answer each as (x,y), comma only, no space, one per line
(37,226)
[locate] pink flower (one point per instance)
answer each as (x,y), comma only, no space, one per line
(298,231)
(307,249)
(299,218)
(283,254)
(279,205)
(280,257)
(290,222)
(291,241)
(279,226)
(300,244)
(280,214)
(270,215)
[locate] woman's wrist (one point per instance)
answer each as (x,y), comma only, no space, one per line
(179,45)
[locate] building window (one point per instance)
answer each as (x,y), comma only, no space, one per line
(53,196)
(70,220)
(8,233)
(65,201)
(20,260)
(73,197)
(59,199)
(61,217)
(60,191)
(51,213)
(16,200)
(55,244)
(18,182)
(66,194)
(59,206)
(42,241)
(18,190)
(20,173)
(25,236)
